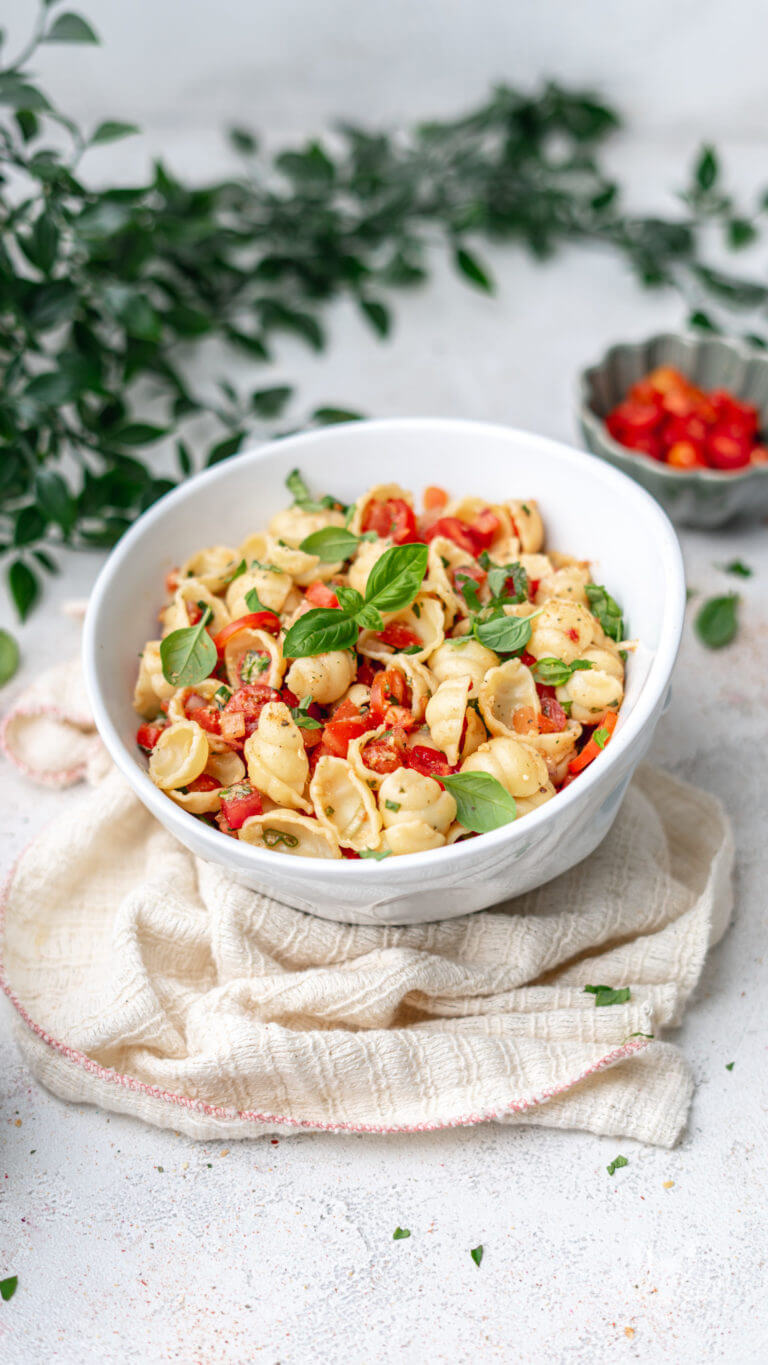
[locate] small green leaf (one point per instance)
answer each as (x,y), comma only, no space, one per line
(297,487)
(70,28)
(477,1255)
(601,737)
(111,130)
(396,577)
(9,657)
(349,599)
(184,459)
(188,655)
(254,604)
(608,995)
(319,632)
(737,567)
(606,609)
(8,1287)
(729,1066)
(472,270)
(331,544)
(707,169)
(482,804)
(616,1164)
(717,621)
(504,634)
(400,1233)
(740,233)
(302,719)
(377,853)
(137,434)
(369,617)
(24,587)
(553,672)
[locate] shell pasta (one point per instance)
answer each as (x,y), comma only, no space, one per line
(368,681)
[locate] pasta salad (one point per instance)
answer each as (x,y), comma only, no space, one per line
(365,681)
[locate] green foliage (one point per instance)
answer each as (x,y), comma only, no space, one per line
(106,291)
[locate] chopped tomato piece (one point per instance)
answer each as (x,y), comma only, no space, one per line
(320,595)
(527,659)
(453,529)
(391,519)
(349,853)
(686,455)
(204,783)
(255,620)
(434,498)
(346,723)
(194,612)
(249,702)
(172,581)
(148,734)
(239,803)
(524,720)
(429,762)
(553,713)
(727,452)
(483,529)
(367,670)
(389,689)
(398,636)
(591,749)
(385,754)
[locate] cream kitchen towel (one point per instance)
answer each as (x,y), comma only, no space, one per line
(147,982)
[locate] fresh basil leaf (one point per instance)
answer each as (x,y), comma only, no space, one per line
(255,605)
(238,571)
(482,804)
(350,600)
(9,657)
(555,672)
(396,577)
(616,1164)
(508,583)
(601,737)
(305,722)
(467,586)
(400,1233)
(188,655)
(608,995)
(504,634)
(8,1287)
(319,632)
(369,617)
(411,649)
(477,1255)
(331,544)
(297,487)
(606,609)
(717,621)
(273,838)
(379,854)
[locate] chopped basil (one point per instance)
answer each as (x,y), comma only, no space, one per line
(467,586)
(607,611)
(608,995)
(555,672)
(477,1255)
(717,621)
(377,853)
(499,578)
(302,498)
(417,611)
(601,737)
(254,604)
(274,837)
(8,1287)
(301,718)
(297,487)
(188,656)
(411,649)
(9,657)
(482,804)
(400,1233)
(236,573)
(253,664)
(616,1164)
(729,1066)
(392,805)
(637,1034)
(222,696)
(738,568)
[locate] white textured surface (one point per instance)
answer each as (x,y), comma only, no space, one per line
(284,1253)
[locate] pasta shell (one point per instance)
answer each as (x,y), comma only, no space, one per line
(176,617)
(151,686)
(179,756)
(243,656)
(412,836)
(303,568)
(444,555)
(520,770)
(323,677)
(276,758)
(285,831)
(406,796)
(502,691)
(272,589)
(198,803)
(213,566)
(254,547)
(344,805)
(568,583)
(294,525)
(419,679)
(528,526)
(355,758)
(446,712)
(591,692)
(425,617)
(562,630)
(380,492)
(359,694)
(557,749)
(525,804)
(367,554)
(227,768)
(464,657)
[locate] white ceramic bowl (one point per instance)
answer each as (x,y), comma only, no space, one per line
(589,509)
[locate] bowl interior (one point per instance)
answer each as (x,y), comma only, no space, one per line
(590,510)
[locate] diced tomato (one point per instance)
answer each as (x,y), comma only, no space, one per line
(453,529)
(240,802)
(248,701)
(346,723)
(524,720)
(434,498)
(389,689)
(367,670)
(573,634)
(194,612)
(553,713)
(727,452)
(320,595)
(759,455)
(734,413)
(429,762)
(385,755)
(665,378)
(391,519)
(199,710)
(204,783)
(633,418)
(527,659)
(484,529)
(686,455)
(533,587)
(349,853)
(591,749)
(255,620)
(693,429)
(172,581)
(473,571)
(148,734)
(398,636)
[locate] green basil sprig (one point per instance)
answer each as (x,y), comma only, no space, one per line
(482,804)
(717,621)
(607,611)
(188,655)
(334,544)
(303,498)
(504,634)
(556,672)
(393,583)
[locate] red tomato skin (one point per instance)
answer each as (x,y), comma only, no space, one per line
(676,429)
(251,699)
(238,807)
(204,783)
(428,762)
(387,690)
(320,595)
(148,734)
(255,620)
(453,529)
(346,723)
(398,636)
(391,519)
(385,755)
(484,529)
(551,708)
(727,452)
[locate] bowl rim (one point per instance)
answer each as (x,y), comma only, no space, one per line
(210,841)
(716,477)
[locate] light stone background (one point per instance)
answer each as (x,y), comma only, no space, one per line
(136,1245)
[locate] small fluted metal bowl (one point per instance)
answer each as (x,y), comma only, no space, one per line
(692,497)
